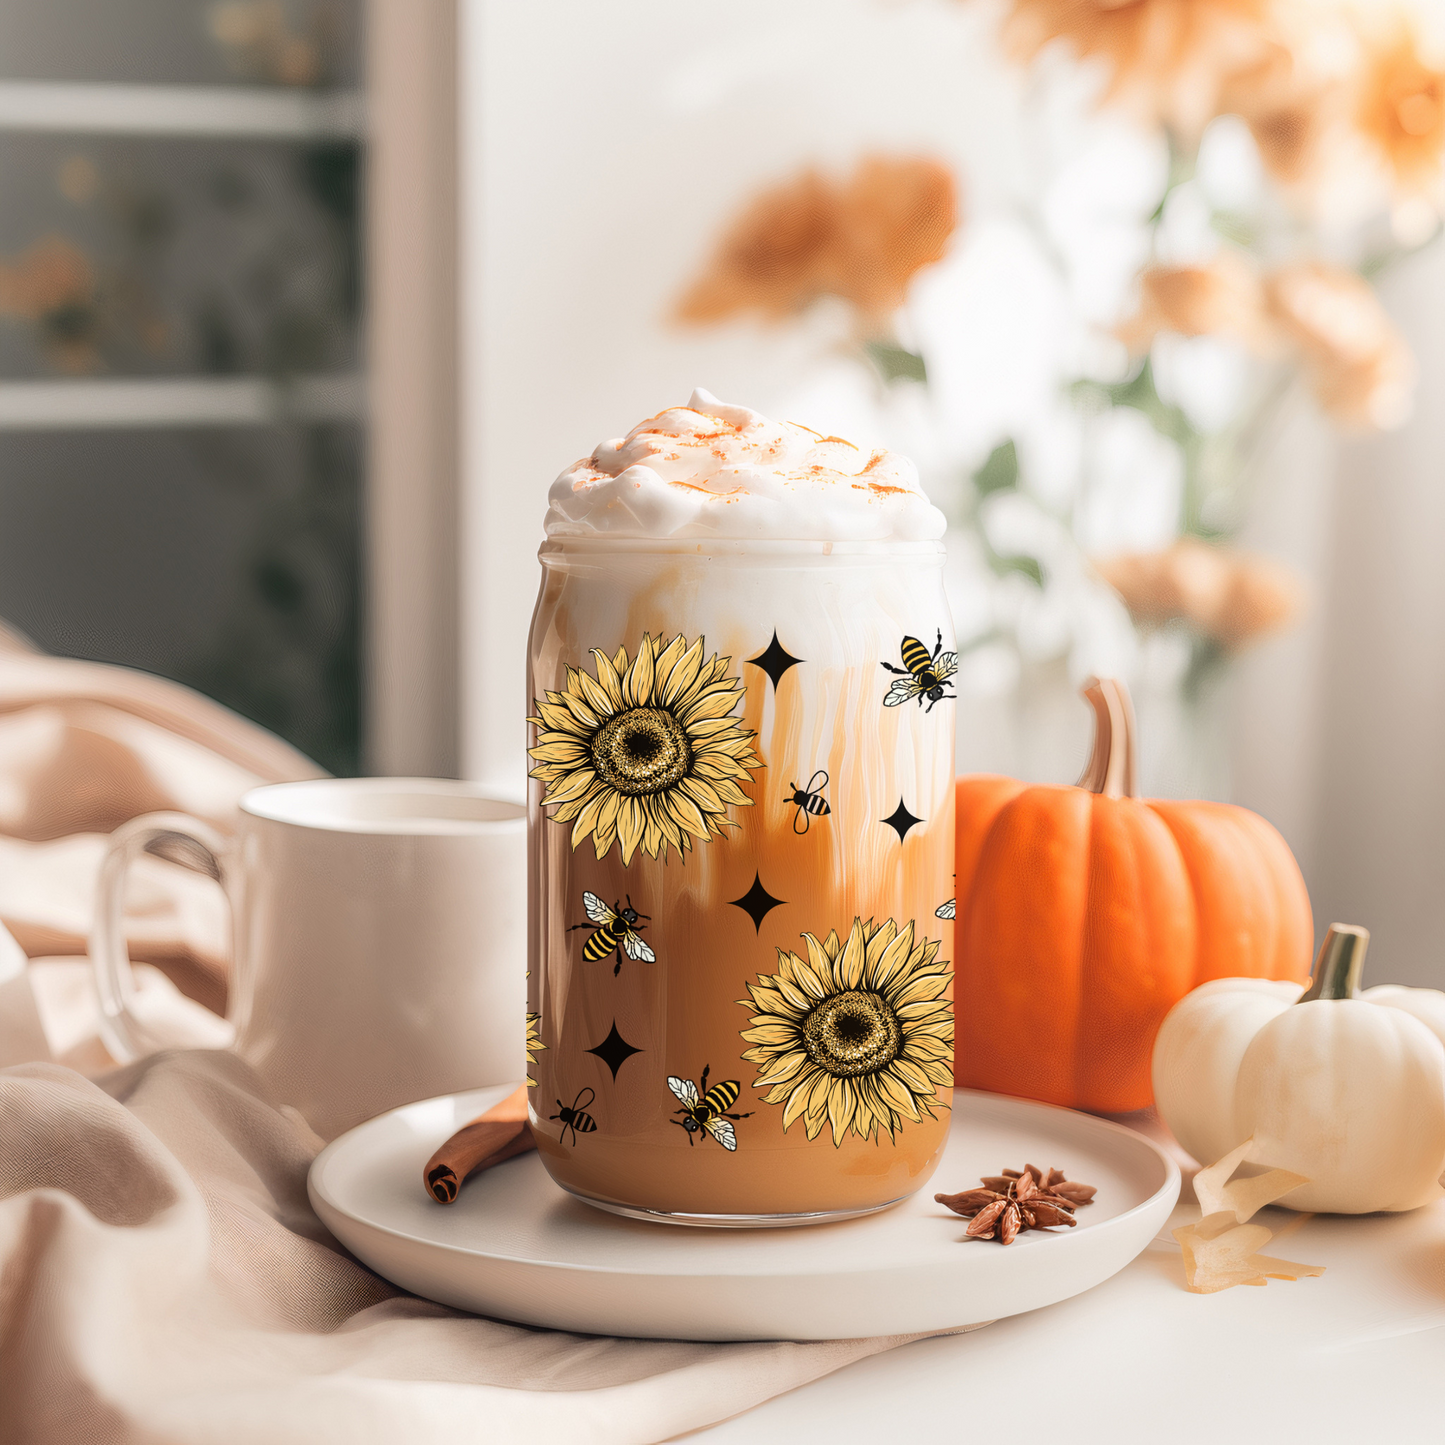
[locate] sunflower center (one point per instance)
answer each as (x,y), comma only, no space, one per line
(852,1033)
(642,750)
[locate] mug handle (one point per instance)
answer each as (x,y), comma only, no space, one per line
(178,839)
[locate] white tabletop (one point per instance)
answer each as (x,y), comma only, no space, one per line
(1355,1354)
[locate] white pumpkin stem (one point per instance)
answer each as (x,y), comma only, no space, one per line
(1341,963)
(1111,766)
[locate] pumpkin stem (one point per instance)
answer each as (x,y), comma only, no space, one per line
(1111,766)
(1340,964)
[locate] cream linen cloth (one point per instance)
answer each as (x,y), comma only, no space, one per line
(83,748)
(163,1279)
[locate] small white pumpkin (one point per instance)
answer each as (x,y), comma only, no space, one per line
(1347,1089)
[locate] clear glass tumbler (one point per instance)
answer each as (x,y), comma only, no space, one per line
(740,912)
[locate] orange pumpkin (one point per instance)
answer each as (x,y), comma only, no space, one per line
(1084,914)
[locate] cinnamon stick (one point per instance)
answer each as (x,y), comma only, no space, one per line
(501,1133)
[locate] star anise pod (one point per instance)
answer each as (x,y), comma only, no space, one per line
(1051,1179)
(1016,1200)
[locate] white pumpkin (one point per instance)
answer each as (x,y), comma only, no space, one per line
(1346,1089)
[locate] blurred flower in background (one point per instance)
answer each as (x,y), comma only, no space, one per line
(1170,60)
(262,45)
(1228,597)
(861,239)
(51,286)
(1089,373)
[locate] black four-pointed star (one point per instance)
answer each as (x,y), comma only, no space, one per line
(614,1050)
(775,660)
(901,820)
(757,902)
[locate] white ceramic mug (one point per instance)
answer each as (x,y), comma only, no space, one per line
(380,939)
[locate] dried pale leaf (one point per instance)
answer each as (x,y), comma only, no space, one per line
(1220,1253)
(1243,1198)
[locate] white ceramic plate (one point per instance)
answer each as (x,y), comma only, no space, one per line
(516,1247)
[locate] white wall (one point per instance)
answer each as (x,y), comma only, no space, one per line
(604,146)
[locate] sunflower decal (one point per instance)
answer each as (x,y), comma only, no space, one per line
(534,1045)
(647,752)
(858,1035)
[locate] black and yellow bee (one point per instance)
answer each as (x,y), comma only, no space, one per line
(613,928)
(708,1112)
(922,675)
(809,801)
(575,1117)
(947,910)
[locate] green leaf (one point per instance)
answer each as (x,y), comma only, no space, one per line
(894,363)
(1027,565)
(1000,471)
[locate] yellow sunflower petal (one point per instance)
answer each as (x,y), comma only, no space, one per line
(863,1121)
(686,813)
(608,812)
(911,1075)
(678,673)
(916,988)
(637,684)
(809,977)
(584,718)
(772,1031)
(842,1102)
(890,959)
(706,705)
(652,836)
(630,824)
(571,785)
(664,660)
(782,1068)
(609,681)
(940,1071)
(703,795)
(596,697)
(798,1101)
(849,968)
(709,727)
(587,815)
(920,1011)
(558,717)
(897,1094)
(878,941)
(925,1047)
(821,962)
(566,753)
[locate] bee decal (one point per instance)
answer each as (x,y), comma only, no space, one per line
(809,801)
(946,910)
(709,1111)
(922,675)
(613,929)
(574,1116)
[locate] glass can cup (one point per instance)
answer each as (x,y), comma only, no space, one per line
(741,875)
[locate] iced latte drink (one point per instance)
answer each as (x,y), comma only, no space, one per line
(741,935)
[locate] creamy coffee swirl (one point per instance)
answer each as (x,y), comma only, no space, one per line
(713,470)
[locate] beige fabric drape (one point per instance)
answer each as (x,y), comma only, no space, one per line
(163,1278)
(85,746)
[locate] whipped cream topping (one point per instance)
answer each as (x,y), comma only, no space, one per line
(708,469)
